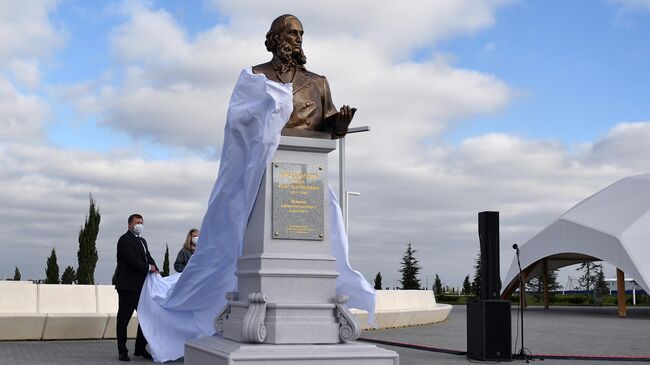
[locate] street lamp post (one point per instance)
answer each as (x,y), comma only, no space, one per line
(343,195)
(347,206)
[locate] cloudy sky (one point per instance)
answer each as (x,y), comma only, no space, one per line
(524,107)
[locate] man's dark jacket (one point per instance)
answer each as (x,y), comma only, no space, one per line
(132,262)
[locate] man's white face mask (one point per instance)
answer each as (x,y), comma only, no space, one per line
(195,240)
(137,229)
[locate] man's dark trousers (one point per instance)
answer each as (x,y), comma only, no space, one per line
(128,303)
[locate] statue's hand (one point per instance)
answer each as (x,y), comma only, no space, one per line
(344,117)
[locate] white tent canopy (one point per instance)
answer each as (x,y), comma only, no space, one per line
(612,225)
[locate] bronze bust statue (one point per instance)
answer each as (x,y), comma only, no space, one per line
(313,110)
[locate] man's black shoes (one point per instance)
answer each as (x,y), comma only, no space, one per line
(124,356)
(144,353)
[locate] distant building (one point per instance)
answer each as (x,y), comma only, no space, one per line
(630,285)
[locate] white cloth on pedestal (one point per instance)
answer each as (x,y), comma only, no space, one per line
(181,307)
(349,282)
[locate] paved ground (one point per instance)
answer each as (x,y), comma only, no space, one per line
(561,330)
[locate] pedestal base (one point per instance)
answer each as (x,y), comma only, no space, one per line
(217,351)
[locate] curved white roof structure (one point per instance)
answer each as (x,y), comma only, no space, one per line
(612,225)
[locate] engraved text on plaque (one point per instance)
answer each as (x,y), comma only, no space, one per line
(298,201)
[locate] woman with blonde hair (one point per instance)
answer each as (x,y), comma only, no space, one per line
(187,251)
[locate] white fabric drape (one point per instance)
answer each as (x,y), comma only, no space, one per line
(181,307)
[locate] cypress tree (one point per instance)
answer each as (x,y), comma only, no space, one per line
(52,269)
(69,276)
(467,287)
(476,283)
(87,254)
(17,274)
(410,269)
(165,270)
(437,285)
(378,281)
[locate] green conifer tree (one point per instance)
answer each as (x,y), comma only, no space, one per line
(589,275)
(69,276)
(378,283)
(437,285)
(87,254)
(52,269)
(536,284)
(476,283)
(467,286)
(17,274)
(165,270)
(553,283)
(600,280)
(410,269)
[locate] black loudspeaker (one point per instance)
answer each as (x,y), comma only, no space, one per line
(488,234)
(489,335)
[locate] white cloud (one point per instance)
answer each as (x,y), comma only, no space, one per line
(150,36)
(26,72)
(27,34)
(632,5)
(25,29)
(625,145)
(22,117)
(176,88)
(179,114)
(398,28)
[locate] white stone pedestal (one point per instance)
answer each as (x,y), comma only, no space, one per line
(285,309)
(219,351)
(286,256)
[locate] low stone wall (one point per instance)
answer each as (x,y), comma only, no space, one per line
(47,311)
(54,312)
(403,308)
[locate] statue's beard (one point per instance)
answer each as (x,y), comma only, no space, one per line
(290,57)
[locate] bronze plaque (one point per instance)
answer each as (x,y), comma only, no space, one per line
(298,211)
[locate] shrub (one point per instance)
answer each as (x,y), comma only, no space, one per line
(628,300)
(448,298)
(576,299)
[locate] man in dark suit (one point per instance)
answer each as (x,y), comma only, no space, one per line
(133,264)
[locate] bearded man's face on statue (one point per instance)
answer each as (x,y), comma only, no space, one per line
(289,46)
